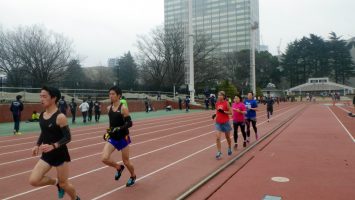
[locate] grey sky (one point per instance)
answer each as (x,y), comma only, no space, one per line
(108,28)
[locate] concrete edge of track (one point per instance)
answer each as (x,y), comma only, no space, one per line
(198,185)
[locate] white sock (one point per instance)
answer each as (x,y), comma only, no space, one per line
(56,181)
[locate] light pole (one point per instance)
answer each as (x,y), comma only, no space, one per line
(191,56)
(254,27)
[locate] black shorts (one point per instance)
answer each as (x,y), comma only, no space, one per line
(270,109)
(56,157)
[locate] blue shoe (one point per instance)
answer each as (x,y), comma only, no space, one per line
(218,155)
(131,181)
(61,192)
(119,172)
(229,151)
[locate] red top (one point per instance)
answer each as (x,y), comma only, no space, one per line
(222,118)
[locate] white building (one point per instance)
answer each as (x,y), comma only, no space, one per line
(319,86)
(112,62)
(226,22)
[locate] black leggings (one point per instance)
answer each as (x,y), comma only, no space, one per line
(253,122)
(269,111)
(242,128)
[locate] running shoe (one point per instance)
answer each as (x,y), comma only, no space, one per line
(244,144)
(131,181)
(61,192)
(119,173)
(235,145)
(77,198)
(256,136)
(218,155)
(229,151)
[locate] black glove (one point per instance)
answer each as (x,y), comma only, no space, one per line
(221,110)
(213,116)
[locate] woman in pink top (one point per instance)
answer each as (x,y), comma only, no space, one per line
(239,110)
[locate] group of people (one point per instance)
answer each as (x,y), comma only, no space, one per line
(86,108)
(55,135)
(243,115)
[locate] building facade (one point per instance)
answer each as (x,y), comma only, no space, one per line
(225,22)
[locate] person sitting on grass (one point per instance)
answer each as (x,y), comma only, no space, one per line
(34,117)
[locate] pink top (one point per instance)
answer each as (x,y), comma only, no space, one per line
(237,116)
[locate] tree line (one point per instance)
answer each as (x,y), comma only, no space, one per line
(33,56)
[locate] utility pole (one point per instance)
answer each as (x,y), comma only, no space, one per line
(254,27)
(191,56)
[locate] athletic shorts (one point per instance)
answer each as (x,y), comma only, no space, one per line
(226,127)
(270,109)
(121,143)
(56,157)
(251,119)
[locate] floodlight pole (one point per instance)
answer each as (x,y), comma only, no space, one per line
(254,27)
(191,56)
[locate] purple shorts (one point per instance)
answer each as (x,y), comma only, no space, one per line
(120,144)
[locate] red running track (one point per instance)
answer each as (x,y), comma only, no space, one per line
(169,154)
(315,152)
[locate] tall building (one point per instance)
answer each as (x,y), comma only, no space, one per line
(226,22)
(112,62)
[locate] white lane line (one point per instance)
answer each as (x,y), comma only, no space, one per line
(104,125)
(346,130)
(102,130)
(90,145)
(138,143)
(100,168)
(97,169)
(141,155)
(134,136)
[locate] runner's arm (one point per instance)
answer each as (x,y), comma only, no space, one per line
(63,124)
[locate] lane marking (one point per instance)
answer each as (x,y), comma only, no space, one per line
(346,130)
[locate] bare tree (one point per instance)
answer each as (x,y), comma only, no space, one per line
(152,58)
(42,54)
(207,62)
(175,55)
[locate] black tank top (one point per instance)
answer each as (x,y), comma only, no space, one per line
(117,120)
(50,130)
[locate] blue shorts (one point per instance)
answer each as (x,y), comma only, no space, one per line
(226,127)
(120,144)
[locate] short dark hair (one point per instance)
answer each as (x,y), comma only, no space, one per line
(252,93)
(240,97)
(53,92)
(18,97)
(116,89)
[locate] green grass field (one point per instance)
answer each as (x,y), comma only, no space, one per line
(7,128)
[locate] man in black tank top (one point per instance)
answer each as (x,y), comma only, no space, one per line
(117,136)
(55,134)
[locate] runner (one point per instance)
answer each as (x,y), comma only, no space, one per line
(239,111)
(55,134)
(223,111)
(97,110)
(73,106)
(269,106)
(63,106)
(84,107)
(117,136)
(91,106)
(16,108)
(252,107)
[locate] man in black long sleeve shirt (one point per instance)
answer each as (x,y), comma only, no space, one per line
(16,108)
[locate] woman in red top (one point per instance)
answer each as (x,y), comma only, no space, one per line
(223,111)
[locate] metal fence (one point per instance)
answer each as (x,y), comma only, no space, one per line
(31,95)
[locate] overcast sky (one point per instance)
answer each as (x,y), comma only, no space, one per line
(108,28)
